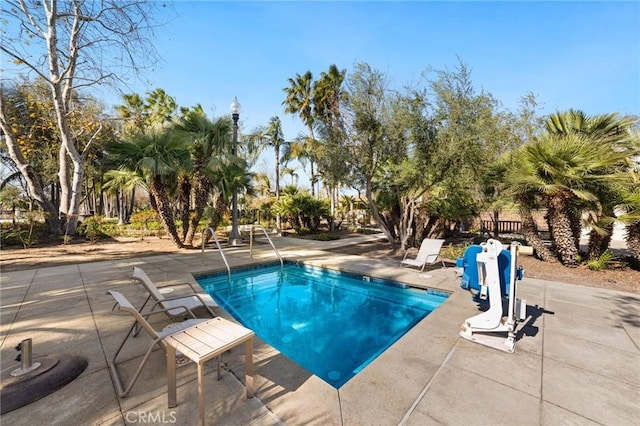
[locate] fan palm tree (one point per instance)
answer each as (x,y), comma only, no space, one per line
(559,168)
(610,130)
(121,183)
(156,154)
(209,143)
(630,217)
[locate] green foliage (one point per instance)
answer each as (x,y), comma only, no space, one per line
(111,228)
(326,237)
(367,231)
(453,252)
(302,231)
(26,234)
(302,210)
(603,262)
(19,234)
(91,228)
(144,219)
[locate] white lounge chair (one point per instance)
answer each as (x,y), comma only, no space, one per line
(427,255)
(179,307)
(158,339)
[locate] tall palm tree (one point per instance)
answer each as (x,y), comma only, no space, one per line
(299,100)
(328,94)
(328,97)
(272,135)
(304,149)
(156,154)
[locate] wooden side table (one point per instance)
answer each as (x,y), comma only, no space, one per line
(203,342)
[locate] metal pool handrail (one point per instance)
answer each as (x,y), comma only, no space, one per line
(224,259)
(264,231)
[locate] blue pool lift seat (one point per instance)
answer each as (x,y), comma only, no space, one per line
(470,279)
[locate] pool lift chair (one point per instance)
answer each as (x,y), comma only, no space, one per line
(492,272)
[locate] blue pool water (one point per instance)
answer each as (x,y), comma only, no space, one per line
(332,324)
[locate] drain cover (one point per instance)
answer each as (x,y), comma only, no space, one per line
(334,375)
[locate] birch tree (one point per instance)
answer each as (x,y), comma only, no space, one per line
(72,45)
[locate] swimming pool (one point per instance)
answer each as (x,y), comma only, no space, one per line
(331,323)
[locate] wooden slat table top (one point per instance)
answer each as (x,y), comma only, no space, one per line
(209,339)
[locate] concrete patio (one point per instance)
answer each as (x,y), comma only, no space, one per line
(577,361)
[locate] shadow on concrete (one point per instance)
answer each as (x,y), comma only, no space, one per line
(627,308)
(529,328)
(282,375)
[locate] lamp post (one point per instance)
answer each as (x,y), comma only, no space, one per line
(234,238)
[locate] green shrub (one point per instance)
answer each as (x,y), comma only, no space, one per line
(603,262)
(453,252)
(326,237)
(367,231)
(91,228)
(19,234)
(24,233)
(144,219)
(110,228)
(303,230)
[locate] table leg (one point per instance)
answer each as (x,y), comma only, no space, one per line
(219,368)
(171,376)
(248,367)
(201,392)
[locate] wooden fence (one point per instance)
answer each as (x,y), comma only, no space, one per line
(504,226)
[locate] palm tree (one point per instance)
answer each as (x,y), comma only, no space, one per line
(156,154)
(610,130)
(291,171)
(328,97)
(559,169)
(299,100)
(209,145)
(328,94)
(631,219)
(227,180)
(303,148)
(262,184)
(272,135)
(121,183)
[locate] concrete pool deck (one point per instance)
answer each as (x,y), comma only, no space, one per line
(577,361)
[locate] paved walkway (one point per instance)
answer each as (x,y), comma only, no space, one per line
(577,360)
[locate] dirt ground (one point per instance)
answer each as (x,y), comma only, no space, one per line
(16,258)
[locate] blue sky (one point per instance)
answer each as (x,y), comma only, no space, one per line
(583,55)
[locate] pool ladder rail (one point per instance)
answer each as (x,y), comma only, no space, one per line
(215,238)
(224,258)
(264,231)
